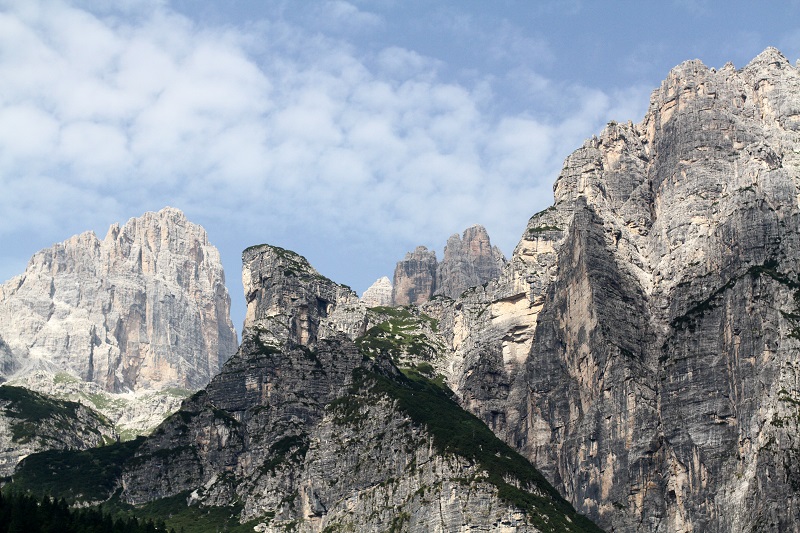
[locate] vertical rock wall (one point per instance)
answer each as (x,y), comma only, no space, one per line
(641,345)
(415,277)
(146,307)
(469,261)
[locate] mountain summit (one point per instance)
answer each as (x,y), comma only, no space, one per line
(146,307)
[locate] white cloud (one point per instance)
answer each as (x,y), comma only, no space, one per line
(400,63)
(276,134)
(26,132)
(344,17)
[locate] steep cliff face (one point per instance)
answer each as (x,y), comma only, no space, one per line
(288,301)
(641,345)
(415,277)
(6,359)
(469,261)
(310,429)
(146,307)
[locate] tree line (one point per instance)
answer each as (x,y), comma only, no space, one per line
(21,513)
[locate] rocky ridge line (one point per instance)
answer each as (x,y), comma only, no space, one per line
(310,429)
(31,422)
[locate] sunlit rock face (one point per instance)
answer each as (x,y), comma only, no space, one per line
(641,346)
(378,294)
(415,277)
(469,260)
(144,308)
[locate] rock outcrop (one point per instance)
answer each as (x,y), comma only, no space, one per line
(415,277)
(379,294)
(146,307)
(469,261)
(131,413)
(288,301)
(641,345)
(6,360)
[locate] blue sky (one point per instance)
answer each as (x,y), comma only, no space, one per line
(348,131)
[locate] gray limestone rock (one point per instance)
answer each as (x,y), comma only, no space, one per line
(379,294)
(415,277)
(146,307)
(311,430)
(641,345)
(469,261)
(31,422)
(288,301)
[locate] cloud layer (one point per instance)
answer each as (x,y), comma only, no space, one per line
(271,132)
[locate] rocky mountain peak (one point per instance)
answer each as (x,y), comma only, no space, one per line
(378,294)
(771,57)
(290,303)
(309,430)
(415,277)
(469,260)
(661,278)
(640,347)
(146,307)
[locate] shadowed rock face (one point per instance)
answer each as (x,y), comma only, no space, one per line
(469,261)
(415,277)
(32,422)
(146,307)
(641,345)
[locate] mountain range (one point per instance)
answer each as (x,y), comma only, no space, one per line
(633,366)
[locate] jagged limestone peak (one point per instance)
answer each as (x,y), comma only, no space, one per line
(639,288)
(771,57)
(104,310)
(379,293)
(288,301)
